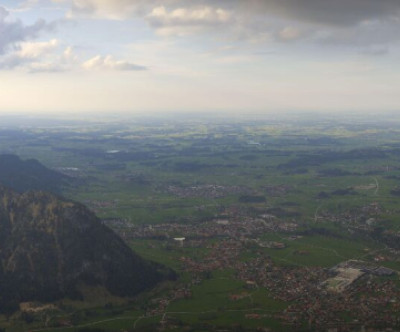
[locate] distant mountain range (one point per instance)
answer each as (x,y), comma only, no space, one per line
(27,175)
(49,245)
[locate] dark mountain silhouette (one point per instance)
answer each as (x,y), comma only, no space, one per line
(29,175)
(48,246)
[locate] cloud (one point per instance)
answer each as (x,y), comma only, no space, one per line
(258,21)
(183,21)
(69,56)
(30,55)
(183,16)
(35,57)
(13,32)
(46,67)
(109,63)
(357,24)
(26,5)
(375,51)
(351,23)
(338,12)
(374,34)
(108,9)
(34,50)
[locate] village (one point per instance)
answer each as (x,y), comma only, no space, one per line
(319,296)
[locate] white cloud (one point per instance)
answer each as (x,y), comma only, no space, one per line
(109,63)
(13,32)
(40,57)
(185,16)
(34,50)
(109,9)
(184,21)
(46,56)
(69,56)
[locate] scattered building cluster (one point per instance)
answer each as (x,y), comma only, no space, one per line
(319,297)
(234,228)
(208,191)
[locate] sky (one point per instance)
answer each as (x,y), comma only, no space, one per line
(247,56)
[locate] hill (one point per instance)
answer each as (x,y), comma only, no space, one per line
(27,175)
(49,246)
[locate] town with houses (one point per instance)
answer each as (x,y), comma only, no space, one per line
(320,296)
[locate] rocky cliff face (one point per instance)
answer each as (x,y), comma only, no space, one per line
(48,246)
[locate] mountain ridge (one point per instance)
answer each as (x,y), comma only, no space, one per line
(49,245)
(23,175)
